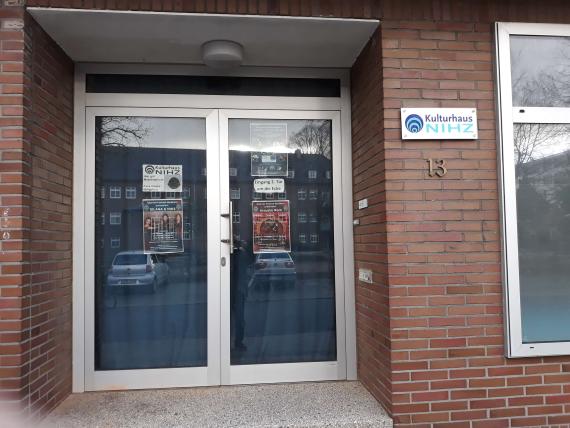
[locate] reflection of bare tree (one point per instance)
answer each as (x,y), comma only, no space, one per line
(314,138)
(545,86)
(115,131)
(531,139)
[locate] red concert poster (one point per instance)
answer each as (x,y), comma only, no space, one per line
(271,226)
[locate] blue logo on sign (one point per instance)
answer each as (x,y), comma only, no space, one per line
(414,123)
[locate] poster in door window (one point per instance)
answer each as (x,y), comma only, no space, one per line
(265,164)
(162,226)
(162,178)
(271,226)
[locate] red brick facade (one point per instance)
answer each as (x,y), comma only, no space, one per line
(430,328)
(35,259)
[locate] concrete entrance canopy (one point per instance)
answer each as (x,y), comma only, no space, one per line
(174,38)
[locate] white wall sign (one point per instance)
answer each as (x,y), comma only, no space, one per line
(269,185)
(162,178)
(439,123)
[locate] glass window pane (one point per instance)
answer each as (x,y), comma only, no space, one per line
(540,71)
(542,162)
(150,311)
(282,298)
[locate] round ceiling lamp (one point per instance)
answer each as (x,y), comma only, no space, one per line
(222,54)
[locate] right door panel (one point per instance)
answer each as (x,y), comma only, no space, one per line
(282,284)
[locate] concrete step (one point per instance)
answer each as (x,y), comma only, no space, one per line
(322,404)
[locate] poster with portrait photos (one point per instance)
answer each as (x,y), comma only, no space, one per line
(163,226)
(271,226)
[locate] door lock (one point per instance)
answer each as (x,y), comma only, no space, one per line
(223,261)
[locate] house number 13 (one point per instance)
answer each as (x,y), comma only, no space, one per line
(437,167)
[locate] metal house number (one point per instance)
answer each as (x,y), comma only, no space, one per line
(437,167)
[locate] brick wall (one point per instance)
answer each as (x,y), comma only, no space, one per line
(369,181)
(35,208)
(337,8)
(446,303)
(50,127)
(15,172)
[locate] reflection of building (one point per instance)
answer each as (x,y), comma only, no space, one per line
(308,187)
(547,175)
(119,219)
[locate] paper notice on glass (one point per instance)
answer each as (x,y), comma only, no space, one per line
(269,164)
(162,178)
(265,134)
(271,226)
(269,185)
(162,226)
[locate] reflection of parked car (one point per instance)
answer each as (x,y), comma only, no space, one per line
(278,267)
(134,269)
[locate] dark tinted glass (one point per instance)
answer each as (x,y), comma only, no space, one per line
(150,315)
(212,85)
(282,269)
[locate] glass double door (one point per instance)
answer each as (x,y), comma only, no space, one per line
(210,248)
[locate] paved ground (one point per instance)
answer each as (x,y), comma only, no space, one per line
(324,404)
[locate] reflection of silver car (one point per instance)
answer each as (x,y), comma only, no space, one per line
(134,269)
(277,267)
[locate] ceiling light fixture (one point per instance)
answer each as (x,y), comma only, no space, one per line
(222,54)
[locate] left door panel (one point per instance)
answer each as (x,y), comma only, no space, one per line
(152,304)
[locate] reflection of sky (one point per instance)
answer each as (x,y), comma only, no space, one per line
(259,135)
(241,138)
(549,140)
(171,132)
(535,54)
(541,64)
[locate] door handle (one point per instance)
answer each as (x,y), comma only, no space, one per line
(229,216)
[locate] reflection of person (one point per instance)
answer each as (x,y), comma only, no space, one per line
(147,229)
(178,225)
(242,258)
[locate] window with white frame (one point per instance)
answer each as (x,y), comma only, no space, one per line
(172,194)
(115,192)
(312,218)
(115,242)
(102,192)
(301,217)
(257,195)
(103,218)
(328,175)
(130,192)
(236,216)
(233,172)
(282,195)
(302,238)
(270,196)
(187,231)
(115,218)
(534,106)
(314,238)
(155,195)
(313,194)
(301,194)
(235,193)
(312,174)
